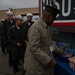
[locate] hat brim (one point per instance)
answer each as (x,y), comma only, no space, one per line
(53,10)
(18,19)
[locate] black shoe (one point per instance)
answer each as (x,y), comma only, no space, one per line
(4,53)
(20,63)
(15,70)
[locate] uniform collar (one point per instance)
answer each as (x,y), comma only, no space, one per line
(42,23)
(14,26)
(28,21)
(10,20)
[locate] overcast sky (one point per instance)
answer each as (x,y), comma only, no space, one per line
(5,4)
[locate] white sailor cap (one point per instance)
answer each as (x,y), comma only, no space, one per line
(29,14)
(19,17)
(2,19)
(9,12)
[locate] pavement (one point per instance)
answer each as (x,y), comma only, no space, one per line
(4,66)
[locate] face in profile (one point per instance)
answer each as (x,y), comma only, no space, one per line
(50,19)
(29,18)
(19,22)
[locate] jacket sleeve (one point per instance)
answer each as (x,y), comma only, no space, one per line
(35,49)
(10,37)
(56,48)
(4,34)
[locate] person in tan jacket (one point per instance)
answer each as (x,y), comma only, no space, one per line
(38,56)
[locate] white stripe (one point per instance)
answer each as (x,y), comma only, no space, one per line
(65,21)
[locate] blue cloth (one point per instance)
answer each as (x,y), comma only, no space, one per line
(62,68)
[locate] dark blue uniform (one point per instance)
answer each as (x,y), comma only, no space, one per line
(16,35)
(1,33)
(6,25)
(27,26)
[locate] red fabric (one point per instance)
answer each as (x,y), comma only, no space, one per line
(63,24)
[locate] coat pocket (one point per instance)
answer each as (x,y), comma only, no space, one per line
(45,40)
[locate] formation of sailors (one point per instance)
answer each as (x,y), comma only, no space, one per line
(14,37)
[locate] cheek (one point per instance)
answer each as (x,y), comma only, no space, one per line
(19,22)
(11,16)
(29,17)
(51,19)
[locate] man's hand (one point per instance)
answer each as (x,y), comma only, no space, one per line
(52,63)
(19,44)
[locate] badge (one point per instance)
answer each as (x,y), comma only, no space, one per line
(52,48)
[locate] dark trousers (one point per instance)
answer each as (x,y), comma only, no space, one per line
(10,58)
(3,46)
(17,56)
(3,49)
(15,64)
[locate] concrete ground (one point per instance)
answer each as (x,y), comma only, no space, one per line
(4,67)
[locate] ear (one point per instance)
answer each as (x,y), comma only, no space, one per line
(48,16)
